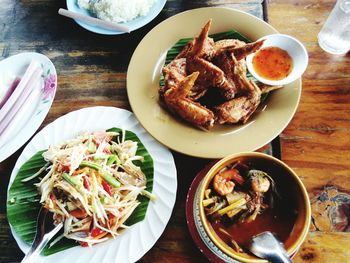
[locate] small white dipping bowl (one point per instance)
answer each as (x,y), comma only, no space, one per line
(296,51)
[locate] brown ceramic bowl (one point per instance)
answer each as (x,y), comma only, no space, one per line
(282,175)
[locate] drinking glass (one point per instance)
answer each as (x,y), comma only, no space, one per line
(334,37)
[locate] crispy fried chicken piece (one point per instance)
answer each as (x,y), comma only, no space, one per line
(241,108)
(241,52)
(201,46)
(174,72)
(233,69)
(198,48)
(184,51)
(225,62)
(176,99)
(209,74)
(225,43)
(229,54)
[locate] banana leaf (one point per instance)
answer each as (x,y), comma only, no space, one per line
(23,200)
(179,45)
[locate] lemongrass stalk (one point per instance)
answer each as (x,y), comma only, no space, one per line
(234,205)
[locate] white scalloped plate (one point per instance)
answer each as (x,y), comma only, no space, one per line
(139,238)
(33,118)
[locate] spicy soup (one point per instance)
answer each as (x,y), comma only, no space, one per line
(279,219)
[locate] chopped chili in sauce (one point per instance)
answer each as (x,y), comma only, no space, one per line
(272,63)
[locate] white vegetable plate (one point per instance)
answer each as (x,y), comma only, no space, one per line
(133,24)
(134,242)
(33,118)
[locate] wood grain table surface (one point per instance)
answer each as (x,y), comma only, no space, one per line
(92,71)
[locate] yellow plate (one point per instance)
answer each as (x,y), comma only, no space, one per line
(143,81)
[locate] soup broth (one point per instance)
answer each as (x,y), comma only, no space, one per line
(279,220)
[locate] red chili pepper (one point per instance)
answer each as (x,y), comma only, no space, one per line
(65,168)
(86,182)
(107,187)
(95,232)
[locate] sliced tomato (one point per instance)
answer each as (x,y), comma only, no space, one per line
(78,213)
(95,232)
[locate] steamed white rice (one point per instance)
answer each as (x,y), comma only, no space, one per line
(117,10)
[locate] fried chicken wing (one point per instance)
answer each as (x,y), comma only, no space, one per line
(241,52)
(176,99)
(228,43)
(174,72)
(225,62)
(198,58)
(201,46)
(241,108)
(209,74)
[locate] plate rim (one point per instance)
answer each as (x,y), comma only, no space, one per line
(147,141)
(21,138)
(297,83)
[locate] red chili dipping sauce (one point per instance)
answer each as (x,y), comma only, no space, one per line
(272,63)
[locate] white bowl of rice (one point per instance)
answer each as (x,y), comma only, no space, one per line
(132,13)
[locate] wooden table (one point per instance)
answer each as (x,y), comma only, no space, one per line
(92,71)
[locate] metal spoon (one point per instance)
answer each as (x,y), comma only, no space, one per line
(45,230)
(266,245)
